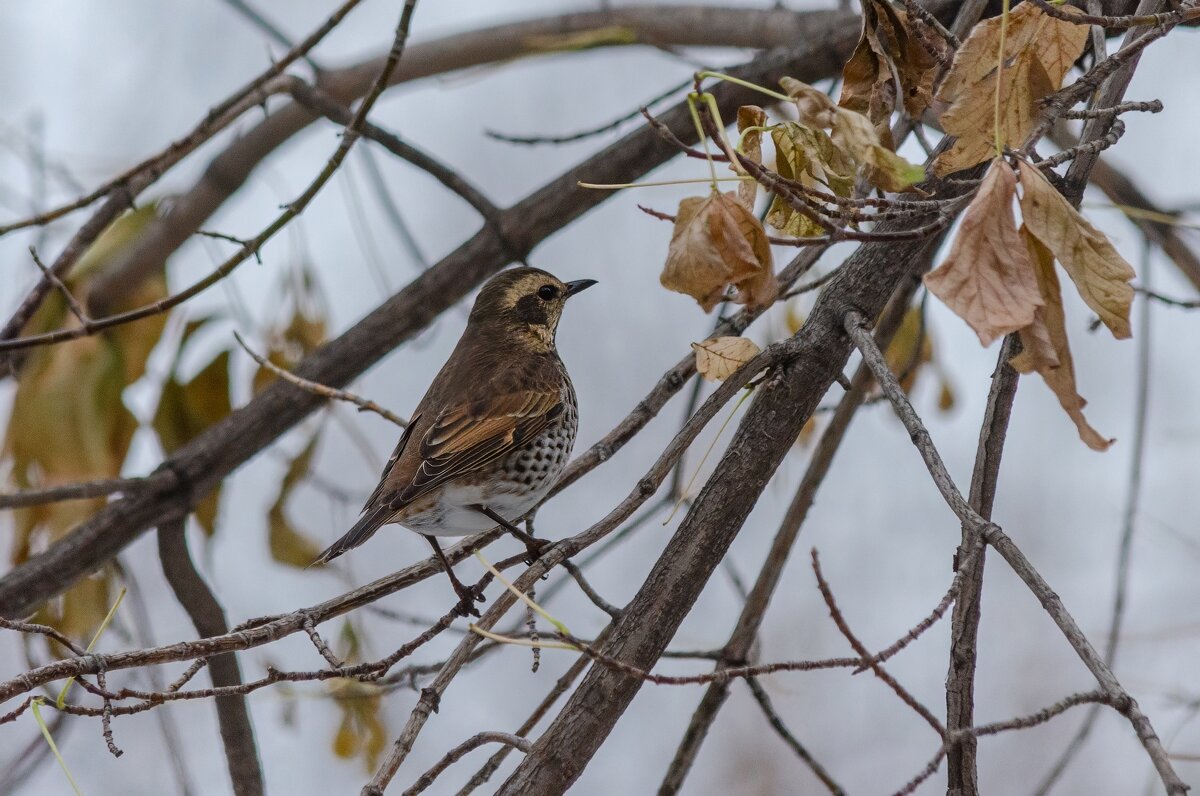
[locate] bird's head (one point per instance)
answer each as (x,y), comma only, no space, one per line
(525,301)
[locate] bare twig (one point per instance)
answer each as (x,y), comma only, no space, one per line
(1000,541)
(474,742)
(363,404)
(764,702)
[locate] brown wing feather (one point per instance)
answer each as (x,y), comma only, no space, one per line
(391,462)
(469,437)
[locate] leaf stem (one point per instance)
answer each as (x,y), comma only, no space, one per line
(520,595)
(604,186)
(744,83)
(41,723)
(693,97)
(1000,78)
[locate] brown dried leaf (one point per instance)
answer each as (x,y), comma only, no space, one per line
(717,243)
(814,106)
(973,119)
(1045,344)
(1100,273)
(720,357)
(749,116)
(887,50)
(987,278)
(1038,51)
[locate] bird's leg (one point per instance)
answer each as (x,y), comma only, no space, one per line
(533,545)
(467,596)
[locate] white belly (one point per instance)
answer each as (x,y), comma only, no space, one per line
(450,516)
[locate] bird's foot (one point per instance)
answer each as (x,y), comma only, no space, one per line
(467,597)
(534,548)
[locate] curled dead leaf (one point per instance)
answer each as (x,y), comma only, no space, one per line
(1045,347)
(987,278)
(815,107)
(887,53)
(717,243)
(1100,273)
(720,357)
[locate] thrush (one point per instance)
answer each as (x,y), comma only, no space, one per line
(493,432)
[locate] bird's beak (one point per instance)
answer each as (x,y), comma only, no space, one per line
(578,286)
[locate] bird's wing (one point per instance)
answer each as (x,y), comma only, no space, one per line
(391,462)
(469,437)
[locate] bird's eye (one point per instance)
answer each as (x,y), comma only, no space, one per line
(547,292)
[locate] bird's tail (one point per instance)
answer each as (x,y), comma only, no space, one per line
(366,526)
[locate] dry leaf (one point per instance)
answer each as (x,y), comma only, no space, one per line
(717,243)
(808,156)
(186,409)
(1045,344)
(720,357)
(749,116)
(987,278)
(1038,52)
(1101,275)
(909,349)
(69,422)
(853,133)
(814,106)
(887,53)
(288,545)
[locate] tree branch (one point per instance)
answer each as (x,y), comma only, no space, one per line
(233,716)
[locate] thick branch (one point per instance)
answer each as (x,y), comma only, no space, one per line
(737,647)
(960,680)
(233,716)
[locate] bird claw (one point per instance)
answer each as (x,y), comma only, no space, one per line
(467,597)
(534,549)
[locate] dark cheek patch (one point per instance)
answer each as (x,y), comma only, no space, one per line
(532,309)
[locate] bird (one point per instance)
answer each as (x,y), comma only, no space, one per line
(492,434)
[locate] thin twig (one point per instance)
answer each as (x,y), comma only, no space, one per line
(363,404)
(1008,550)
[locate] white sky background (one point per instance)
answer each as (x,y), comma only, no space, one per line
(113,82)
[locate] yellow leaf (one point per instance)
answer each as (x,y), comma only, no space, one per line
(1101,275)
(305,328)
(718,243)
(749,116)
(855,135)
(1045,345)
(347,741)
(946,399)
(719,358)
(808,156)
(987,278)
(909,349)
(185,410)
(289,546)
(362,730)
